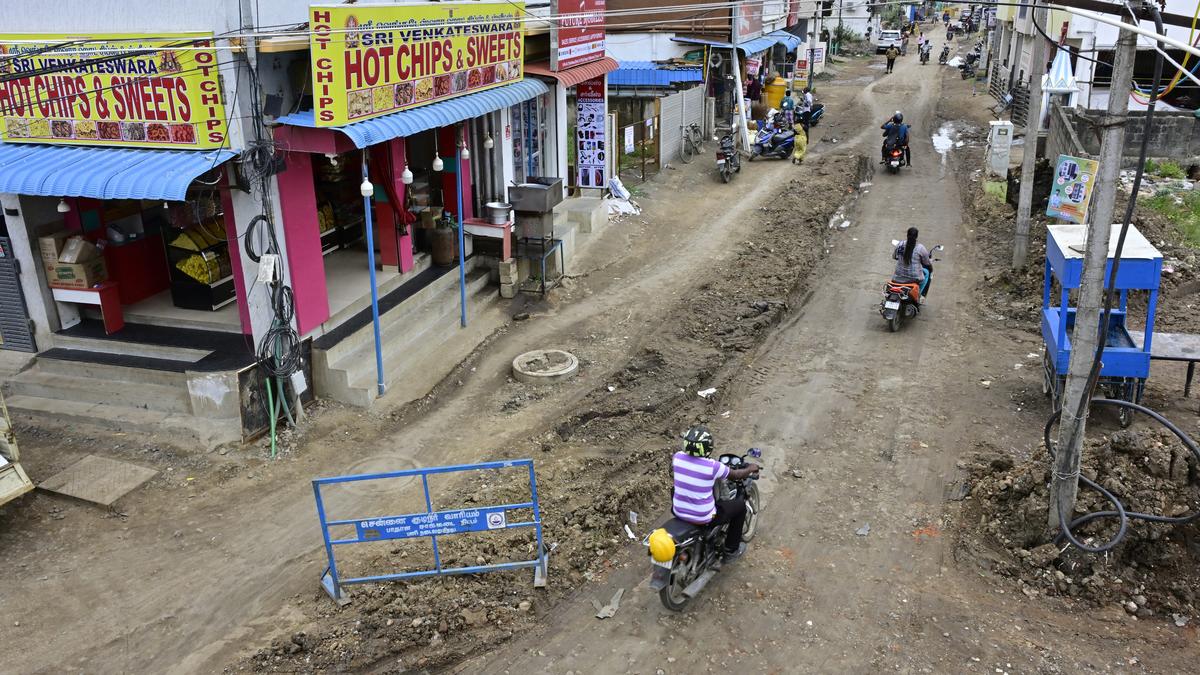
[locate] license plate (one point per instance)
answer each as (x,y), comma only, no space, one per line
(891,305)
(666,565)
(720,162)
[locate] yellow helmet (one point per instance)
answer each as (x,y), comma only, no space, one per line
(662,546)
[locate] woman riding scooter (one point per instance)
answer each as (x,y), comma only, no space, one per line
(913,263)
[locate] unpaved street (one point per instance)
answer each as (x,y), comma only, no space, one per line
(215,564)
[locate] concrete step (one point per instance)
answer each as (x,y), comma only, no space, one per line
(413,372)
(352,378)
(181,429)
(39,383)
(85,371)
(140,349)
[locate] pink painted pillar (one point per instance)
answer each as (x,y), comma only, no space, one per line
(451,153)
(235,258)
(394,250)
(298,203)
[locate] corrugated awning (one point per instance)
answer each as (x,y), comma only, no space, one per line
(573,76)
(650,74)
(431,116)
(753,46)
(103,173)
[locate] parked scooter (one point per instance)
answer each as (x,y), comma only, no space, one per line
(686,557)
(773,141)
(901,301)
(812,116)
(945,55)
(729,161)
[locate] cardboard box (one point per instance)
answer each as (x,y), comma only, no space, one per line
(78,275)
(51,245)
(77,250)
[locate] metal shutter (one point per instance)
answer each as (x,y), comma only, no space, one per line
(15,329)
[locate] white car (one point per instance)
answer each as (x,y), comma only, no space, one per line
(887,38)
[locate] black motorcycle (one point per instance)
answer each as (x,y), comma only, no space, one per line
(893,155)
(899,300)
(924,55)
(698,548)
(967,67)
(729,161)
(945,55)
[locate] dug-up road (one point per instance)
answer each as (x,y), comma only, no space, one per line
(853,569)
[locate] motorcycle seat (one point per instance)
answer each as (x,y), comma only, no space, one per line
(911,290)
(681,529)
(783,136)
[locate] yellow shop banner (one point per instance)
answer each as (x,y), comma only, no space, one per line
(371,60)
(112,89)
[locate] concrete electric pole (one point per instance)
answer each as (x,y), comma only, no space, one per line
(1085,337)
(1033,122)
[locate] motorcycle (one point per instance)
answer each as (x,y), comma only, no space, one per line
(924,56)
(898,304)
(772,141)
(729,161)
(696,557)
(966,70)
(812,116)
(893,157)
(945,55)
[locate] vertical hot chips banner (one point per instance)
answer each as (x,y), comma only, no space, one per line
(371,60)
(112,89)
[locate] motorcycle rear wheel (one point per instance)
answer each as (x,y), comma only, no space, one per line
(726,174)
(894,324)
(671,595)
(752,512)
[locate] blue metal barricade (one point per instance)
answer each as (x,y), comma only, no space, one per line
(432,524)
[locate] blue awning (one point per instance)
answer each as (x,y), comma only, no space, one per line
(650,74)
(103,173)
(754,46)
(432,116)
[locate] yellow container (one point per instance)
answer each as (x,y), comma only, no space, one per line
(774,92)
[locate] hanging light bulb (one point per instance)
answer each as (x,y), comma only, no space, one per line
(63,206)
(437,163)
(465,154)
(488,142)
(366,189)
(407,176)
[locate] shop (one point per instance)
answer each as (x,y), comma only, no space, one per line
(140,193)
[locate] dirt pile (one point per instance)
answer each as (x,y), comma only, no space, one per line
(606,456)
(1153,572)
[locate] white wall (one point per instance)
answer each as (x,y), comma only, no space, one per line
(645,46)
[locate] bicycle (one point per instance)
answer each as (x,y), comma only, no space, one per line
(692,141)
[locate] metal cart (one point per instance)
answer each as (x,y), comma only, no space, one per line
(1126,364)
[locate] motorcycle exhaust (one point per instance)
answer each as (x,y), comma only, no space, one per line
(693,589)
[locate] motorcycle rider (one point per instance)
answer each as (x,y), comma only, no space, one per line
(895,133)
(913,263)
(695,474)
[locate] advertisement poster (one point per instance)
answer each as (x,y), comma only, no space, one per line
(752,66)
(112,89)
(629,144)
(749,22)
(578,36)
(371,60)
(1071,191)
(801,71)
(590,148)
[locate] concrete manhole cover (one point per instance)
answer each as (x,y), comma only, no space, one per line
(544,365)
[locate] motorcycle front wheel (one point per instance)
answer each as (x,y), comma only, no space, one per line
(671,595)
(750,528)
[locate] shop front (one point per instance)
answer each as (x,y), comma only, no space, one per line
(394,180)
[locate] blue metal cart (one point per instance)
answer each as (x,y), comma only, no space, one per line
(1125,364)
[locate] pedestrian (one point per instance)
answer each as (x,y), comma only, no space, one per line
(891,55)
(788,107)
(868,33)
(904,46)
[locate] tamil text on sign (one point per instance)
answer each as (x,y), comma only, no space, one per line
(371,60)
(111,90)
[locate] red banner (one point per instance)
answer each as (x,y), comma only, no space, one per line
(577,37)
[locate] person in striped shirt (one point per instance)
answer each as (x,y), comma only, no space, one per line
(693,501)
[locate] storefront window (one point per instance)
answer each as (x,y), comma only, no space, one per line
(529,137)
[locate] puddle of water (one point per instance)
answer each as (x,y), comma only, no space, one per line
(943,140)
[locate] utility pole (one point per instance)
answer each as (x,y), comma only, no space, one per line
(812,52)
(1033,123)
(837,39)
(1085,338)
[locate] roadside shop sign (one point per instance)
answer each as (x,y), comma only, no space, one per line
(590,146)
(429,524)
(748,21)
(1071,192)
(111,89)
(577,37)
(372,60)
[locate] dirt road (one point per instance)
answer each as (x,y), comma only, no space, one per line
(860,428)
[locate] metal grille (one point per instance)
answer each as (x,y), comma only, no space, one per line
(15,330)
(1020,106)
(998,82)
(675,112)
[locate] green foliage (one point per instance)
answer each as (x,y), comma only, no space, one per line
(1151,167)
(1170,169)
(1181,208)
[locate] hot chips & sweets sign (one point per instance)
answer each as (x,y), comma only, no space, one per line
(371,60)
(113,89)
